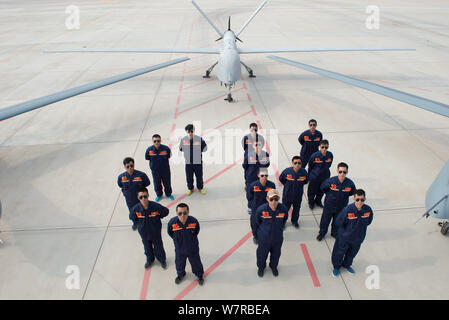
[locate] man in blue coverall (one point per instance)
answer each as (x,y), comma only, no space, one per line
(254,158)
(158,155)
(293,179)
(318,170)
(352,223)
(184,230)
(257,196)
(147,216)
(309,140)
(269,225)
(130,182)
(338,189)
(192,146)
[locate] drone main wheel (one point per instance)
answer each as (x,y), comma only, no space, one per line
(445,228)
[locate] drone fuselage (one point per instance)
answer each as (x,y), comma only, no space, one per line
(229,67)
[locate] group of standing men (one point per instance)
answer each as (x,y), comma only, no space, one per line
(268,215)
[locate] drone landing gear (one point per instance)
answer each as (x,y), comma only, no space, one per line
(444,227)
(208,71)
(250,71)
(229,97)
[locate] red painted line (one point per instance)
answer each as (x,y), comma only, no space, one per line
(254,110)
(146,280)
(312,272)
(206,102)
(249,97)
(180,87)
(172,129)
(176,113)
(220,260)
(179,100)
(421,89)
(227,122)
(244,86)
(199,84)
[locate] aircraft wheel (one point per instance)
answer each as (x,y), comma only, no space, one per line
(445,228)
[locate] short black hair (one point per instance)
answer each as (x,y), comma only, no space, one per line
(342,164)
(324,142)
(313,120)
(182,205)
(296,158)
(127,160)
(142,189)
(253,124)
(359,192)
(190,127)
(156,136)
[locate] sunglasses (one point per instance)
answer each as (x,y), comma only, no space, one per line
(143,197)
(360,199)
(324,147)
(156,141)
(254,129)
(341,171)
(263,175)
(297,162)
(182,213)
(312,125)
(274,199)
(190,131)
(129,166)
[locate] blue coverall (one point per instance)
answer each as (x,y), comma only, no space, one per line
(318,172)
(149,226)
(293,189)
(185,238)
(337,197)
(251,164)
(352,225)
(257,196)
(248,141)
(269,227)
(309,145)
(194,161)
(131,184)
(160,168)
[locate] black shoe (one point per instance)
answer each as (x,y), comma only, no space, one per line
(319,237)
(148,264)
(178,279)
(200,281)
(285,226)
(164,265)
(296,224)
(311,206)
(334,236)
(256,241)
(275,272)
(319,204)
(134,227)
(260,272)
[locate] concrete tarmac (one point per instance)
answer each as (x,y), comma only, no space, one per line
(62,208)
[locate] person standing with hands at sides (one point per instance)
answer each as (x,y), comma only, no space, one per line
(293,179)
(193,146)
(184,230)
(130,182)
(252,137)
(352,223)
(158,155)
(318,170)
(310,141)
(147,216)
(257,196)
(254,159)
(338,189)
(269,226)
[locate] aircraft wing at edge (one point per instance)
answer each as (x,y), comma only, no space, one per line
(430,105)
(26,106)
